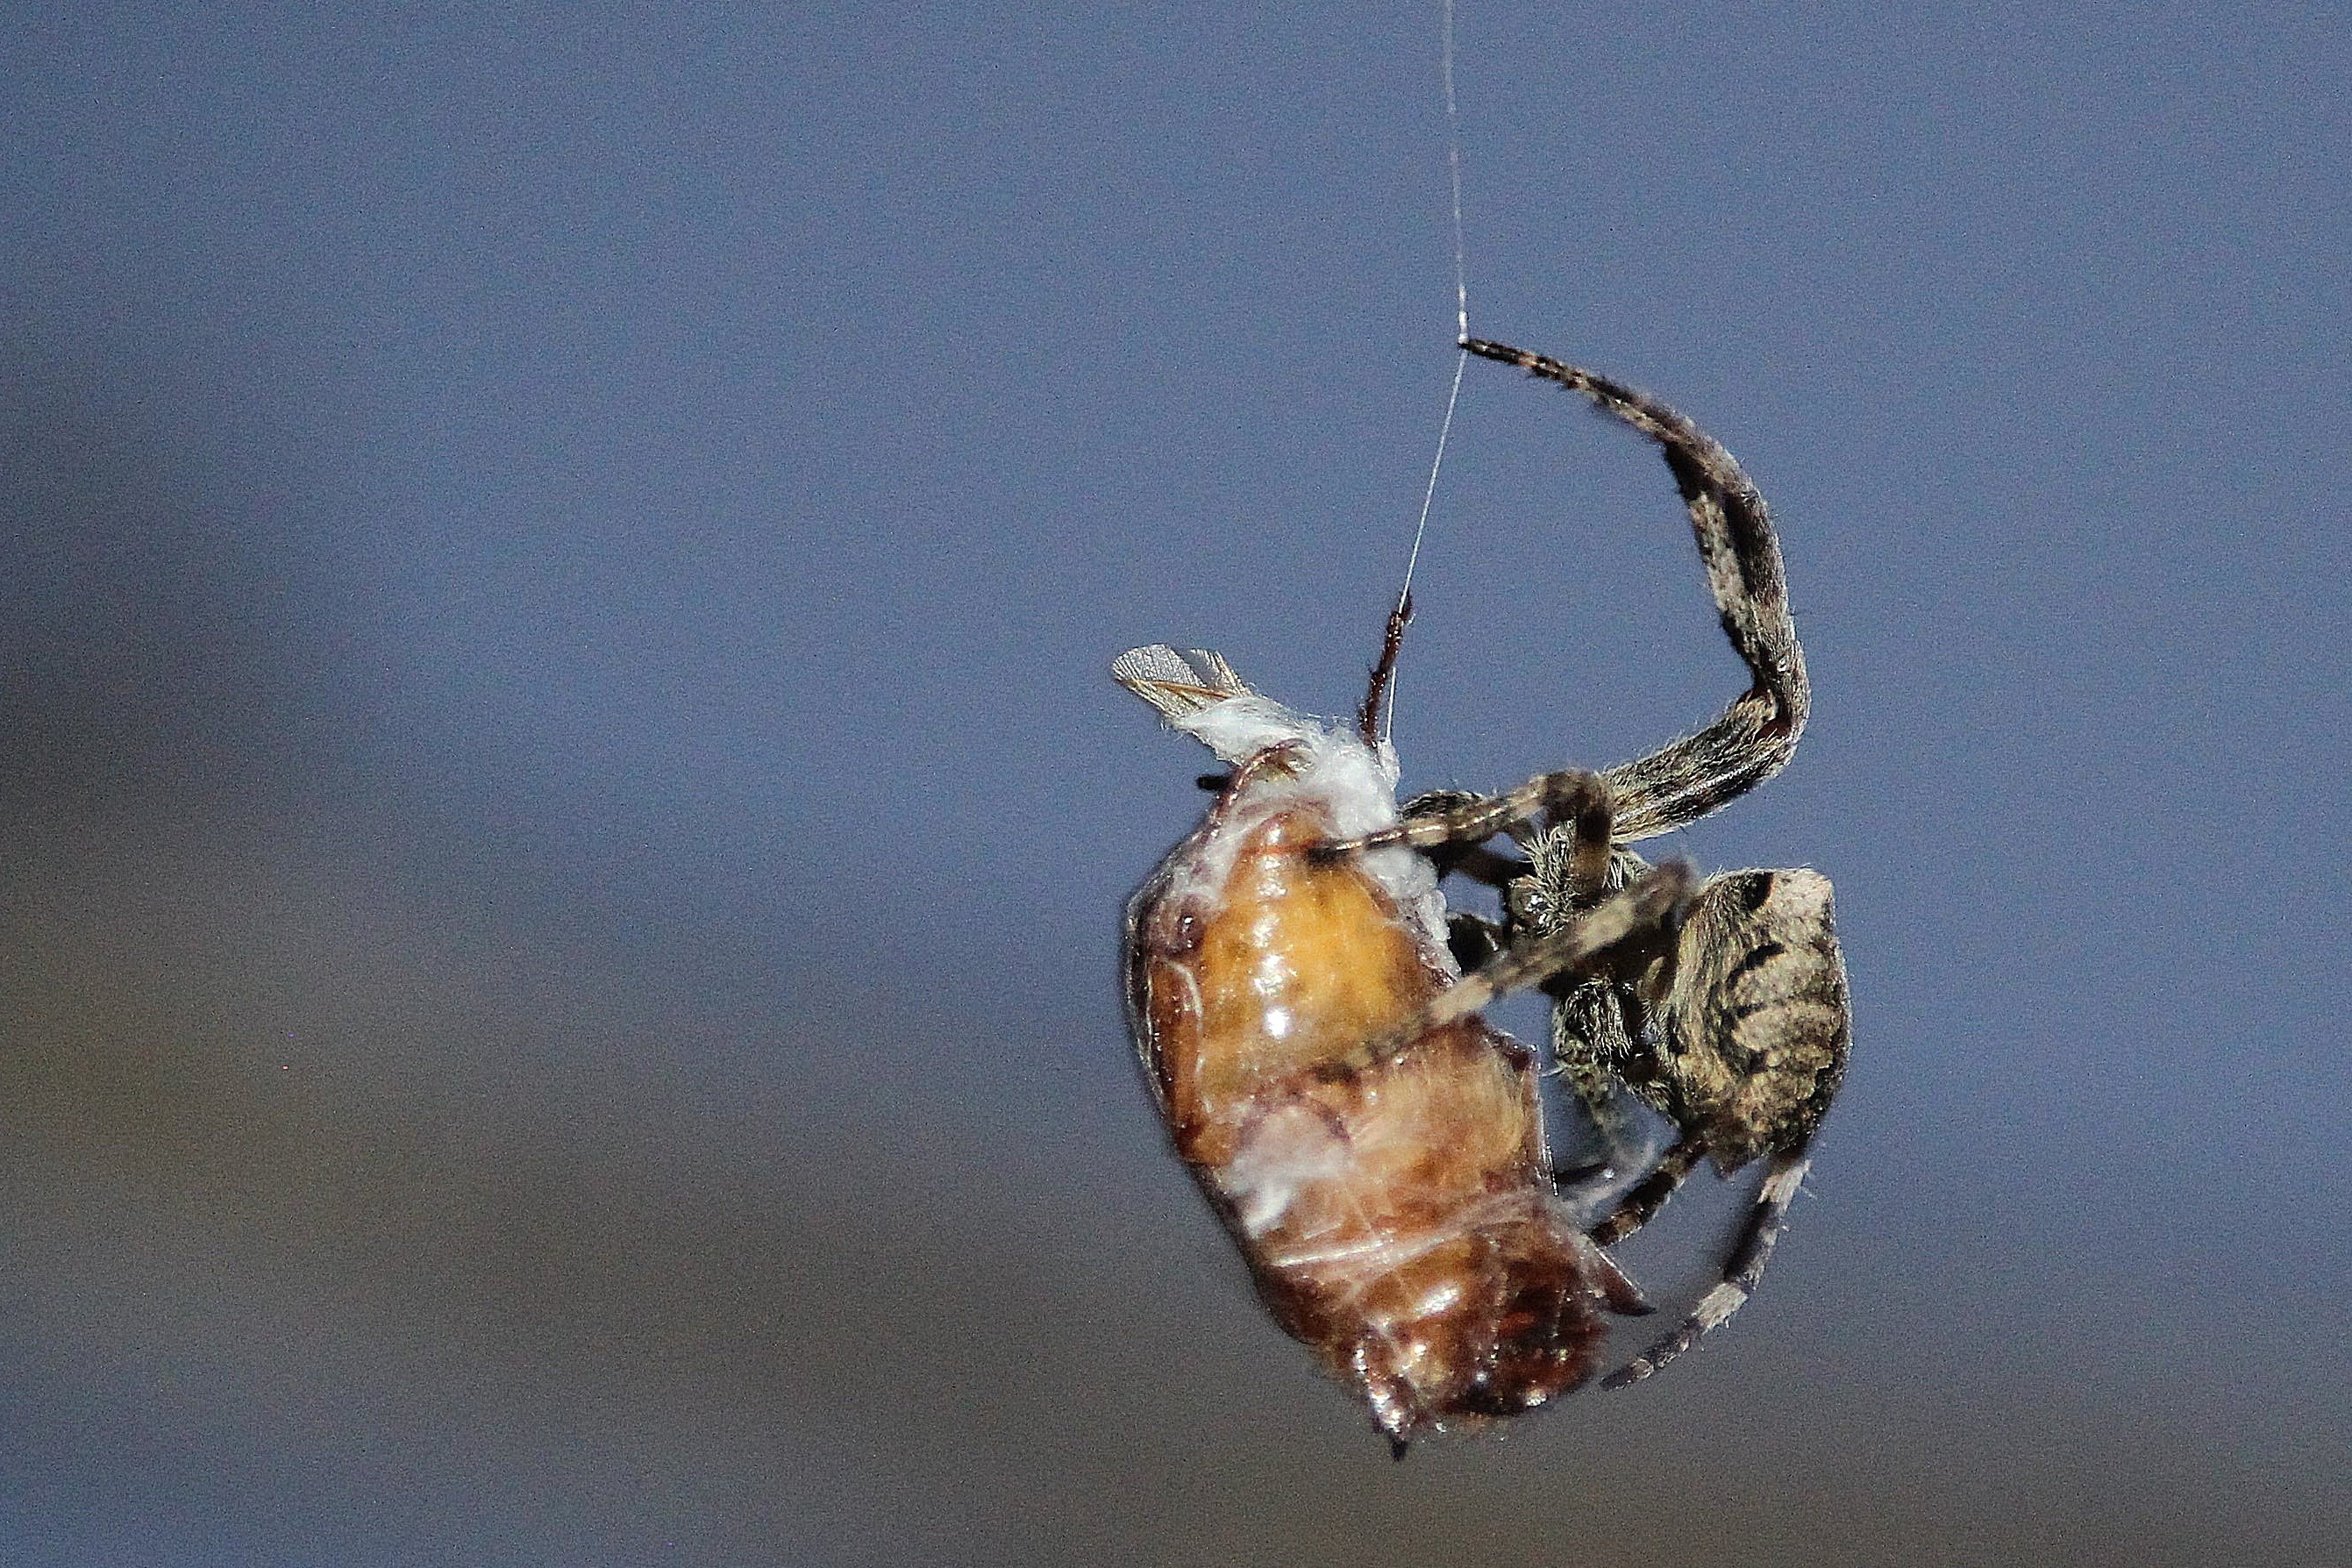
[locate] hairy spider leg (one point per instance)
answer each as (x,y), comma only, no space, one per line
(1745,1268)
(1754,737)
(1649,909)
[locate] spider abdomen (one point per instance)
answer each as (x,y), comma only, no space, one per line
(1757,1018)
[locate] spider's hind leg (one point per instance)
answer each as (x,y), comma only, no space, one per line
(1766,1220)
(1753,738)
(1643,1199)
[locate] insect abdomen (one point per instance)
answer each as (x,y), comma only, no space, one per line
(1397,1217)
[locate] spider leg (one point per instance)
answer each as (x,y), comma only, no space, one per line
(1650,910)
(1580,800)
(1753,738)
(1639,1206)
(1742,1270)
(1475,861)
(1652,907)
(1449,827)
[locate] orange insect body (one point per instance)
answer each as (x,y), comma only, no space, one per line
(1398,1216)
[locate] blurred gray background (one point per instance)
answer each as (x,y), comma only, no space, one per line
(562,823)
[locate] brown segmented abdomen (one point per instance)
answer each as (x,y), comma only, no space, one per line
(1398,1219)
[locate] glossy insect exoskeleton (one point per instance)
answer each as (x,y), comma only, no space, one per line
(1376,1150)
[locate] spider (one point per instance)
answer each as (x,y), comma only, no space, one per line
(1303,1015)
(1731,1019)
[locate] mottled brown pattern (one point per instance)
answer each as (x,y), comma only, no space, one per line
(1398,1219)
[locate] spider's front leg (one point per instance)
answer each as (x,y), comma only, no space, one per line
(1753,738)
(1450,830)
(1449,825)
(1614,935)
